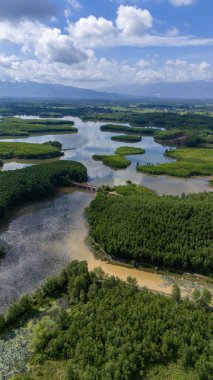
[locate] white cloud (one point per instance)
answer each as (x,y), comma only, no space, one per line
(131,28)
(24,33)
(179,3)
(133,21)
(74,4)
(95,73)
(53,46)
(142,63)
(92,31)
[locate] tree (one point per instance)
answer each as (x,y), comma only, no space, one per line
(176,293)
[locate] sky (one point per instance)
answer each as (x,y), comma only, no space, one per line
(103,43)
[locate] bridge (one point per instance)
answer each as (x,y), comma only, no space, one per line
(85,186)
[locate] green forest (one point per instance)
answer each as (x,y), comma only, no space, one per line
(167,231)
(190,162)
(25,127)
(36,182)
(111,330)
(27,151)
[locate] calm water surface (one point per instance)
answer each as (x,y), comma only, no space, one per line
(42,237)
(90,140)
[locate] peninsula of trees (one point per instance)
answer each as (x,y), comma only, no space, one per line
(36,182)
(166,231)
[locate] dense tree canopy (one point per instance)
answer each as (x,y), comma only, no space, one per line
(161,230)
(113,331)
(26,151)
(36,182)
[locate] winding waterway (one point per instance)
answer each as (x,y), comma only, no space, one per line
(90,140)
(42,237)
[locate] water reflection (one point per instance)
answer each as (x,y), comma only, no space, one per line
(90,140)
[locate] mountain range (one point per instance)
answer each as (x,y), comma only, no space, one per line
(189,90)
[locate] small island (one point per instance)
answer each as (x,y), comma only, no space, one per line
(28,151)
(128,151)
(12,126)
(127,138)
(117,160)
(113,161)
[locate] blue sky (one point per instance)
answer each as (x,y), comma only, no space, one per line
(100,43)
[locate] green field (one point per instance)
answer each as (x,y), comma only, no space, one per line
(27,151)
(127,138)
(190,162)
(113,161)
(25,127)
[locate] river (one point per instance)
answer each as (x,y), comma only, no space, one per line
(42,237)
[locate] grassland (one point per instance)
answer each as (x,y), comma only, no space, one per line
(190,162)
(127,138)
(11,126)
(27,151)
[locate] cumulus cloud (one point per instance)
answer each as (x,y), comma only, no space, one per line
(92,31)
(30,9)
(95,73)
(132,27)
(53,46)
(133,21)
(179,3)
(24,33)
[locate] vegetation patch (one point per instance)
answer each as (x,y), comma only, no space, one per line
(113,161)
(127,138)
(126,129)
(128,151)
(190,162)
(36,182)
(11,126)
(109,331)
(165,231)
(27,151)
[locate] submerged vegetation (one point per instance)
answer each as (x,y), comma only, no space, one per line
(26,151)
(112,330)
(166,231)
(36,182)
(25,127)
(190,162)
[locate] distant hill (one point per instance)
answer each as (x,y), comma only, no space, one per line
(45,90)
(182,90)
